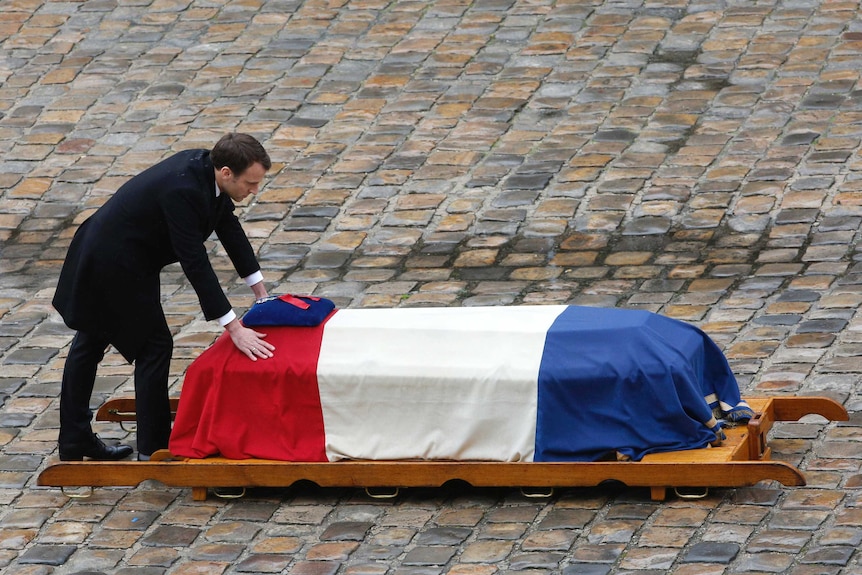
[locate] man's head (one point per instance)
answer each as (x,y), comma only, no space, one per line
(240,163)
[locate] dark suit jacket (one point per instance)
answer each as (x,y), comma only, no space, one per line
(109,284)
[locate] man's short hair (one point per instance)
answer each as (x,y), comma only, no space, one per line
(238,152)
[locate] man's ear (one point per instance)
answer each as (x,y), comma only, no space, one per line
(223,174)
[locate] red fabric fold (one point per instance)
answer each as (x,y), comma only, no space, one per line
(240,409)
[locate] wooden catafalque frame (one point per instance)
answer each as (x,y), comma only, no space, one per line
(743,459)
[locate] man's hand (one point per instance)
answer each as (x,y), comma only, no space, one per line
(249,342)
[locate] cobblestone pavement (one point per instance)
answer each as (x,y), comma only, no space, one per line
(695,158)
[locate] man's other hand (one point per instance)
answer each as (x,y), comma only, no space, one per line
(249,341)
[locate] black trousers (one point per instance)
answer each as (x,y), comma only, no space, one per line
(152,367)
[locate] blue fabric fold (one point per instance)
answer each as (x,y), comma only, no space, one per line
(629,382)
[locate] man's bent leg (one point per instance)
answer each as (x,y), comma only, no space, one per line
(77,439)
(152,368)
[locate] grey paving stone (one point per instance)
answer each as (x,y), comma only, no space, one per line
(315,568)
(534,561)
(822,101)
(630,511)
(263,563)
(799,138)
(47,555)
(171,536)
(567,519)
(428,556)
(244,510)
(9,385)
(267,212)
(527,182)
(17,328)
(451,536)
(311,224)
(778,319)
(30,355)
(586,569)
(647,226)
(20,462)
(828,555)
(821,325)
(709,552)
(419,571)
(327,260)
(346,531)
(377,553)
(800,295)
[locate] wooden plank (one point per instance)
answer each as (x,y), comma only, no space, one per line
(122,409)
(792,408)
(733,448)
(219,472)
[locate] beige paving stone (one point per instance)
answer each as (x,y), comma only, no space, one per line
(810,499)
(806,199)
(456,222)
(66,532)
(651,558)
(429,299)
(113,539)
(197,515)
(757,349)
(16,538)
(787,307)
(628,258)
(665,537)
(459,517)
(778,269)
(26,405)
(824,253)
(810,340)
(641,272)
(522,259)
(699,569)
(686,312)
(331,551)
(476,258)
(408,218)
(159,556)
(347,241)
(575,259)
(201,567)
(557,539)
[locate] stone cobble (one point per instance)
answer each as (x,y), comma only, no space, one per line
(696,159)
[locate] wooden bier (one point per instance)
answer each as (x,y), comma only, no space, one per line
(742,460)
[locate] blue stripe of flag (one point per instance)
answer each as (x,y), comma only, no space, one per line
(628,381)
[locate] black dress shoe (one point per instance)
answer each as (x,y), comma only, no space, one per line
(94,449)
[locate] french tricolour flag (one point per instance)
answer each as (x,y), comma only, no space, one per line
(520,383)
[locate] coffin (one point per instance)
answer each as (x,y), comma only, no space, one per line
(506,384)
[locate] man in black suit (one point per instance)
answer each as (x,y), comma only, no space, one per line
(109,289)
